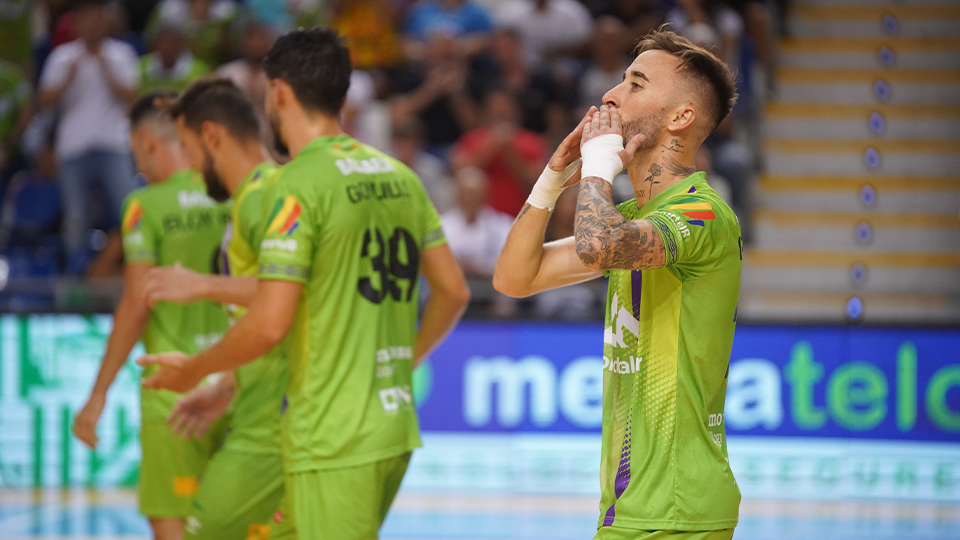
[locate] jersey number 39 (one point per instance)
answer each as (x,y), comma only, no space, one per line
(395,261)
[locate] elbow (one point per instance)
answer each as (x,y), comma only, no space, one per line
(460,297)
(589,255)
(273,334)
(504,286)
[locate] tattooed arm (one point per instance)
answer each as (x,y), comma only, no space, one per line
(607,241)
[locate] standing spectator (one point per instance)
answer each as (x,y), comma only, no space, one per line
(15,98)
(247,73)
(689,14)
(91,80)
(512,157)
(203,22)
(435,91)
(171,66)
(609,62)
(550,28)
(475,231)
(407,143)
(464,20)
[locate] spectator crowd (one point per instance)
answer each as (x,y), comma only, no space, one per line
(473,95)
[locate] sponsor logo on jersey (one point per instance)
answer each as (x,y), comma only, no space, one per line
(621,321)
(131,219)
(696,212)
(374,165)
(622,367)
(393,398)
(185,486)
(258,531)
(285,217)
(193,199)
(276,243)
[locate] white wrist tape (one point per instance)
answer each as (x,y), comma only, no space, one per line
(550,185)
(601,157)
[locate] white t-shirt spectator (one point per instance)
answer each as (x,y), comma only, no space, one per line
(476,245)
(564,23)
(92,117)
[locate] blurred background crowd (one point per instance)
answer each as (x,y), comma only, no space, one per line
(473,95)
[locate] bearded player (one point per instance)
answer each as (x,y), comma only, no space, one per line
(348,231)
(673,257)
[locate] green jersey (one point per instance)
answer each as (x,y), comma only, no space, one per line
(260,385)
(175,221)
(154,77)
(349,222)
(667,341)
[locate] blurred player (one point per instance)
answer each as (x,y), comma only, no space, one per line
(348,231)
(170,221)
(673,258)
(242,486)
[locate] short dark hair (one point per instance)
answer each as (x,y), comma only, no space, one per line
(152,106)
(315,63)
(711,76)
(216,99)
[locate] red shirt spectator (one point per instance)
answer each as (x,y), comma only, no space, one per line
(512,157)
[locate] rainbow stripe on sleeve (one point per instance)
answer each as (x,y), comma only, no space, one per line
(696,210)
(131,219)
(285,217)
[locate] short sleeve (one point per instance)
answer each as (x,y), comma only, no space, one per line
(139,237)
(693,237)
(432,224)
(55,69)
(126,66)
(286,248)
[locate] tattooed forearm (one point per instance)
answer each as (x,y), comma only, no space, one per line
(605,240)
(676,169)
(524,210)
(675,146)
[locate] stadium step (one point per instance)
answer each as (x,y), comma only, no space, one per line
(881,157)
(830,20)
(854,279)
(857,232)
(885,195)
(888,52)
(830,307)
(869,86)
(829,121)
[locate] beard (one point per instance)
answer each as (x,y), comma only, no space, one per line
(216,190)
(650,126)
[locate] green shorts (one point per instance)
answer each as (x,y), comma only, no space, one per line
(621,533)
(343,504)
(238,499)
(171,466)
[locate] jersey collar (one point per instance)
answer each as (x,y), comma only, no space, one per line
(257,173)
(183,175)
(687,185)
(328,141)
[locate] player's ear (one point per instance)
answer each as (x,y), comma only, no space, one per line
(209,134)
(682,118)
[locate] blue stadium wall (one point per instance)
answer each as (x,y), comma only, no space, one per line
(812,412)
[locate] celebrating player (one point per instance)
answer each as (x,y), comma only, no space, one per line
(243,484)
(348,231)
(673,256)
(170,221)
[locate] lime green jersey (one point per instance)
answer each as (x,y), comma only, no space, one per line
(667,341)
(260,385)
(153,77)
(165,223)
(349,223)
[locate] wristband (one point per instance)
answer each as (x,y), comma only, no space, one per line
(601,157)
(549,186)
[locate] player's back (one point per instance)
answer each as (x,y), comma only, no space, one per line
(175,222)
(348,222)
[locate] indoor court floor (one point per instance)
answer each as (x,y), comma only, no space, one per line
(112,515)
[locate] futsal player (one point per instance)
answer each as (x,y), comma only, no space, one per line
(171,220)
(348,232)
(241,488)
(673,257)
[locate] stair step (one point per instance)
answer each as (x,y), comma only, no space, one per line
(855,279)
(830,307)
(887,157)
(886,53)
(875,21)
(862,127)
(874,3)
(780,258)
(851,201)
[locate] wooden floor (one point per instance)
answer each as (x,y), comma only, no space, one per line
(112,515)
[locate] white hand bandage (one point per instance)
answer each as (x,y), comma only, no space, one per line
(601,157)
(550,185)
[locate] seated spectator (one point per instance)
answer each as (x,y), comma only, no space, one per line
(246,72)
(203,22)
(688,15)
(608,63)
(435,91)
(549,28)
(507,67)
(92,81)
(464,20)
(171,66)
(511,156)
(475,231)
(407,143)
(371,28)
